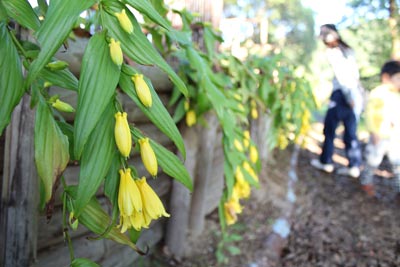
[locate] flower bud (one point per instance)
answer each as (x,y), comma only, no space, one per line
(116,52)
(62,106)
(148,157)
(142,90)
(190,118)
(238,145)
(254,113)
(57,65)
(122,134)
(124,21)
(253,154)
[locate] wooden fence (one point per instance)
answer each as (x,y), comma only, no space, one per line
(29,240)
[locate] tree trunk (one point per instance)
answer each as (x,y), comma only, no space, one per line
(394,22)
(20,191)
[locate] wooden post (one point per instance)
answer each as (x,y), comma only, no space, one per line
(20,191)
(259,132)
(207,140)
(178,223)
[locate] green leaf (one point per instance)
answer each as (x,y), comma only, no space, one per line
(3,13)
(136,45)
(82,262)
(168,161)
(60,18)
(97,220)
(146,8)
(23,13)
(96,159)
(233,250)
(97,83)
(157,113)
(11,79)
(62,78)
(111,182)
(51,148)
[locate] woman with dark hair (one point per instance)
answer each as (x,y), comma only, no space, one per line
(345,103)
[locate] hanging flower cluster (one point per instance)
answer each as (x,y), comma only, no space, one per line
(137,202)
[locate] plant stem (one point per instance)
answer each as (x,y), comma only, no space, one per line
(64,222)
(19,46)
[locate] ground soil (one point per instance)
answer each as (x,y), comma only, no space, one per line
(333,222)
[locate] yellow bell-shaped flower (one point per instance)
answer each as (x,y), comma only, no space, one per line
(129,199)
(142,90)
(238,145)
(190,118)
(148,157)
(250,171)
(253,154)
(230,214)
(246,138)
(153,208)
(124,21)
(116,52)
(122,134)
(254,113)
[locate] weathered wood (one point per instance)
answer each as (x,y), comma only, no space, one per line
(259,132)
(121,256)
(178,223)
(19,195)
(207,141)
(51,233)
(216,183)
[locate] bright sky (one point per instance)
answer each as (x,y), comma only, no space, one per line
(327,11)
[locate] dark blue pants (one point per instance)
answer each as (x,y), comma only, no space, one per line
(341,112)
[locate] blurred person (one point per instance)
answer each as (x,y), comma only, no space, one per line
(383,124)
(345,105)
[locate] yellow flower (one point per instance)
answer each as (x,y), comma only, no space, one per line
(190,118)
(152,205)
(237,97)
(232,207)
(116,52)
(124,21)
(186,105)
(241,188)
(246,140)
(254,113)
(253,154)
(238,145)
(250,171)
(253,103)
(241,107)
(148,157)
(142,90)
(129,200)
(122,134)
(62,106)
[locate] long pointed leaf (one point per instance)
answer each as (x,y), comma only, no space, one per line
(97,83)
(11,79)
(158,114)
(97,220)
(60,19)
(96,159)
(51,148)
(136,45)
(169,162)
(63,78)
(23,13)
(145,7)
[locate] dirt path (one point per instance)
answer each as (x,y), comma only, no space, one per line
(333,222)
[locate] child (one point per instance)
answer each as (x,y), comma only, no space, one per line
(345,104)
(383,123)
